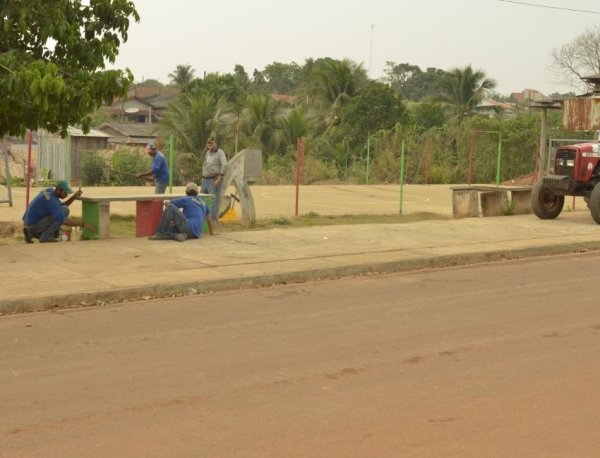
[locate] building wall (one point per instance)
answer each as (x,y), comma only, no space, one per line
(54,153)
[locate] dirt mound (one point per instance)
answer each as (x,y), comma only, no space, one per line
(525,180)
(9,229)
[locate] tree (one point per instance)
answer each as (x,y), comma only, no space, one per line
(52,61)
(463,89)
(261,120)
(241,76)
(374,108)
(194,118)
(297,124)
(182,75)
(423,85)
(427,115)
(337,81)
(578,59)
(150,83)
(398,74)
(217,86)
(281,78)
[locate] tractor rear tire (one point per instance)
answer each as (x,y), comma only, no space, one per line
(546,204)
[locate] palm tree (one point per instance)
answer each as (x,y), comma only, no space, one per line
(182,75)
(191,119)
(337,81)
(464,89)
(261,119)
(297,124)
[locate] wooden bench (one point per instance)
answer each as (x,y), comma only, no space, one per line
(95,210)
(494,200)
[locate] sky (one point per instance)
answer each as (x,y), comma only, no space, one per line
(510,42)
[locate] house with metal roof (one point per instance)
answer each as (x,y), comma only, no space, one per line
(130,133)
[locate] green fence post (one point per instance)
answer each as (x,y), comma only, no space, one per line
(368,158)
(69,157)
(171,151)
(402,175)
(499,158)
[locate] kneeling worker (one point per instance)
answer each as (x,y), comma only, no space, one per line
(46,213)
(175,225)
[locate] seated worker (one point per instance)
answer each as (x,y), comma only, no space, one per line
(175,225)
(46,213)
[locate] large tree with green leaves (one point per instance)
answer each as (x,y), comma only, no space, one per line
(374,108)
(53,56)
(463,89)
(217,86)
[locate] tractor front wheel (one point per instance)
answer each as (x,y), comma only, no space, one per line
(546,204)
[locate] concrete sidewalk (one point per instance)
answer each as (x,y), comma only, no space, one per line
(84,273)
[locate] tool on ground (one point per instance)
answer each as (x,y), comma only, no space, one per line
(227,210)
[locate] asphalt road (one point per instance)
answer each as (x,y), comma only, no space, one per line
(491,360)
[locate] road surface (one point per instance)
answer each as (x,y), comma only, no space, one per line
(493,360)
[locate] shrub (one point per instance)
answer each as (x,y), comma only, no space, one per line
(94,168)
(129,163)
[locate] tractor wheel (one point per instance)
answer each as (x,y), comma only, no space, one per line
(546,204)
(595,203)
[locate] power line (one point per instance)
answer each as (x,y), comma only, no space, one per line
(550,7)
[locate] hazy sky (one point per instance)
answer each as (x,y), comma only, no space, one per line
(510,42)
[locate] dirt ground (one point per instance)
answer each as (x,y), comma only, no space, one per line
(9,229)
(525,180)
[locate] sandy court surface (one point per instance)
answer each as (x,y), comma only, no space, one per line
(274,201)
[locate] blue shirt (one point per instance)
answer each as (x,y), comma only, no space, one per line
(194,210)
(160,169)
(46,203)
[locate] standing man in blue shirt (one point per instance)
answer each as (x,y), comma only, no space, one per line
(213,171)
(46,213)
(160,169)
(175,225)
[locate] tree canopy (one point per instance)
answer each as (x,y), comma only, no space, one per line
(463,89)
(182,75)
(52,61)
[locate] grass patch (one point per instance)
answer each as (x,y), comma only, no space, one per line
(124,225)
(314,219)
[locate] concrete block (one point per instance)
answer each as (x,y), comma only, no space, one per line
(494,203)
(465,203)
(521,201)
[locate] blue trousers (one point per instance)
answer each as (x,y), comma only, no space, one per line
(160,188)
(172,223)
(208,187)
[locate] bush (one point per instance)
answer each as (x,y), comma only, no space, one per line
(94,168)
(129,163)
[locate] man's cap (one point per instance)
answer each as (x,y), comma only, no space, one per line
(150,146)
(211,140)
(191,187)
(63,185)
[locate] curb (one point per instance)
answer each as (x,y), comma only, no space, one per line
(103,297)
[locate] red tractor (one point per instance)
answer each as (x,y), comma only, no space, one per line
(576,173)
